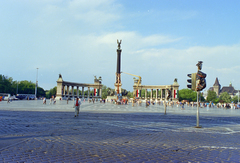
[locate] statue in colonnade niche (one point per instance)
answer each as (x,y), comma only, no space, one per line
(97,80)
(110,92)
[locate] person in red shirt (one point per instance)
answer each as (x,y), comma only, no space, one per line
(77,106)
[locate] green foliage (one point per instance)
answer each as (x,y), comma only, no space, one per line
(212,96)
(7,85)
(51,92)
(216,101)
(104,92)
(225,97)
(187,94)
(190,95)
(235,99)
(130,95)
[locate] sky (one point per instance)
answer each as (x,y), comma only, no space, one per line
(161,40)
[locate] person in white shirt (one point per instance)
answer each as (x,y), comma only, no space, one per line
(77,106)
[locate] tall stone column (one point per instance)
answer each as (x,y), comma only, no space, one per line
(151,94)
(73,92)
(118,83)
(161,94)
(145,94)
(64,91)
(77,91)
(83,93)
(156,94)
(100,92)
(88,93)
(68,91)
(165,92)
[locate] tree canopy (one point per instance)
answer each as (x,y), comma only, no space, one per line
(225,97)
(190,95)
(7,85)
(235,99)
(212,96)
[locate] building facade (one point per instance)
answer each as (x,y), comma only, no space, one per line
(217,88)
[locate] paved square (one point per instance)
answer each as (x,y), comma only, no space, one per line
(33,132)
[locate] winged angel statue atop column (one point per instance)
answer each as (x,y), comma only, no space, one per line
(119,44)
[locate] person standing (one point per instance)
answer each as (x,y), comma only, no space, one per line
(44,100)
(54,101)
(183,106)
(77,106)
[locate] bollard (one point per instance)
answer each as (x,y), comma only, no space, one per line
(165,107)
(198,112)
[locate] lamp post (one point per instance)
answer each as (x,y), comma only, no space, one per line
(36,85)
(238,96)
(17,89)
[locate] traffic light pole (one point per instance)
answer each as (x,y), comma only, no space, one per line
(198,83)
(198,111)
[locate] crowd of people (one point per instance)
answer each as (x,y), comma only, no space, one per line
(182,104)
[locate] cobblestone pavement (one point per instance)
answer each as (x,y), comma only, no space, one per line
(33,132)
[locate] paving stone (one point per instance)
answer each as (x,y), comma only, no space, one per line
(105,133)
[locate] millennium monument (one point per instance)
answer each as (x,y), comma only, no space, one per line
(118,83)
(63,91)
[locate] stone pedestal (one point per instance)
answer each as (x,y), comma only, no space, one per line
(116,87)
(59,88)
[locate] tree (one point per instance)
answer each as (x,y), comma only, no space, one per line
(187,94)
(7,85)
(212,96)
(190,95)
(41,92)
(225,97)
(235,99)
(130,95)
(51,92)
(104,92)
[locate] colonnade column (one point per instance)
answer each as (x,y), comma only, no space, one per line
(165,94)
(151,94)
(145,94)
(73,92)
(161,93)
(100,92)
(68,91)
(156,94)
(63,94)
(88,93)
(82,92)
(77,91)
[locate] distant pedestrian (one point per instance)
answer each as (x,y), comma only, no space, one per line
(50,101)
(44,100)
(77,106)
(54,101)
(182,107)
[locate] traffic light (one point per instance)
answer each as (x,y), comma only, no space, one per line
(192,86)
(201,84)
